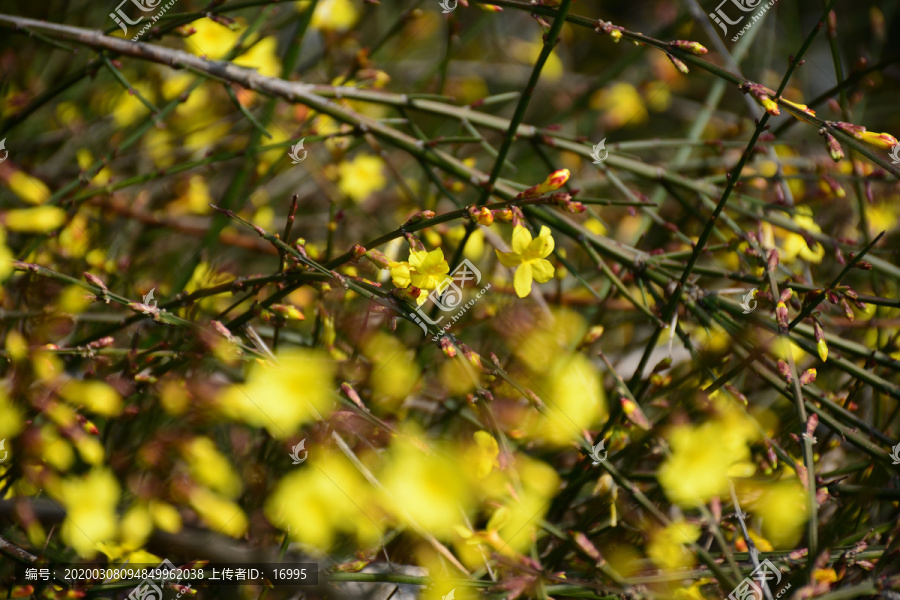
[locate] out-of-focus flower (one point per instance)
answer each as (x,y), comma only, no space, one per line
(621,104)
(317,504)
(528,52)
(90,504)
(11,423)
(484,454)
(28,188)
(97,396)
(792,244)
(703,457)
(40,219)
(210,467)
(783,508)
(361,177)
(262,57)
(218,513)
(528,257)
(281,397)
(429,487)
(667,547)
(394,371)
(332,15)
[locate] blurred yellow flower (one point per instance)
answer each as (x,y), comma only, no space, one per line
(667,546)
(621,104)
(40,219)
(284,396)
(316,504)
(484,454)
(394,371)
(28,188)
(211,468)
(702,458)
(127,106)
(429,487)
(90,504)
(6,256)
(332,15)
(793,244)
(528,52)
(165,516)
(211,39)
(218,513)
(361,177)
(529,257)
(262,57)
(575,401)
(783,511)
(97,396)
(11,423)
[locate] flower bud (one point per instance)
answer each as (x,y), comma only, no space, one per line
(287,311)
(885,141)
(679,64)
(688,46)
(554,181)
(378,258)
(481,215)
(834,147)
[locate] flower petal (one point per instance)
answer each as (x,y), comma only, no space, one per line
(543,245)
(542,270)
(400,275)
(522,280)
(521,238)
(508,259)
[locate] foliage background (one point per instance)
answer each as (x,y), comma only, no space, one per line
(462,465)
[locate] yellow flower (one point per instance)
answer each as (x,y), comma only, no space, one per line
(210,467)
(573,393)
(11,423)
(28,188)
(6,256)
(527,52)
(282,397)
(484,454)
(211,39)
(332,15)
(262,57)
(40,219)
(425,270)
(361,177)
(783,508)
(219,514)
(90,503)
(667,548)
(620,104)
(316,504)
(97,396)
(702,459)
(528,256)
(427,487)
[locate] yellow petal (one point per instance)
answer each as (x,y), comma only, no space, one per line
(522,280)
(509,259)
(521,238)
(542,269)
